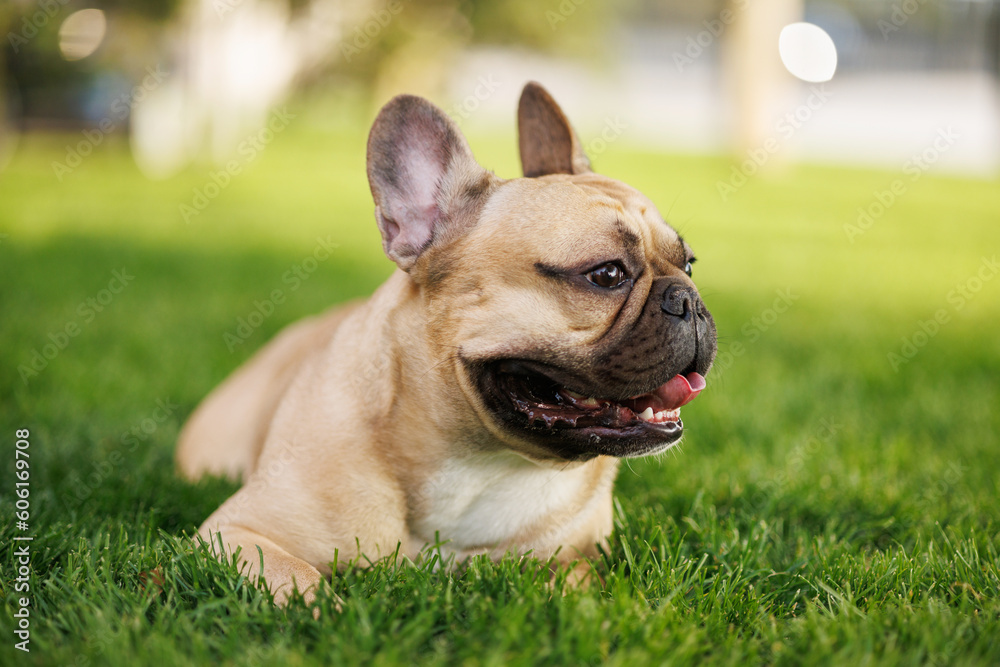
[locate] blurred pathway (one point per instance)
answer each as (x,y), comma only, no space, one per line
(883,119)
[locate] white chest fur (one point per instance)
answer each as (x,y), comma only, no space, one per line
(482,501)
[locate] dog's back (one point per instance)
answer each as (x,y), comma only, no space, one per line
(225,433)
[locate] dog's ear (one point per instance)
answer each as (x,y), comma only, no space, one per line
(547,141)
(422,176)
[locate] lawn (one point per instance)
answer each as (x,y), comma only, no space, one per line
(834,501)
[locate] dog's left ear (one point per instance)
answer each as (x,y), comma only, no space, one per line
(547,141)
(423,178)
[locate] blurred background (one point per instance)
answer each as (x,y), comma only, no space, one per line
(185,81)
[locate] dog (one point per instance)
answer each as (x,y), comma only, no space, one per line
(536,331)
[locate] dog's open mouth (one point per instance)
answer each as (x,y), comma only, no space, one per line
(576,424)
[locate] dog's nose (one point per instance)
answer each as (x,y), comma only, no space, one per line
(679,301)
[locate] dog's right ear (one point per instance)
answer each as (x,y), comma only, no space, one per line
(422,175)
(547,141)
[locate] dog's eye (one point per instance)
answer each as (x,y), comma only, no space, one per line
(608,276)
(687,269)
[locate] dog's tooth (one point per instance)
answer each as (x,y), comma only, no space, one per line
(584,401)
(669,415)
(660,416)
(646,415)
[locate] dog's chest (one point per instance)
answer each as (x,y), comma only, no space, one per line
(490,500)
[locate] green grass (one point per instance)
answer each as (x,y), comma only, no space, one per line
(825,508)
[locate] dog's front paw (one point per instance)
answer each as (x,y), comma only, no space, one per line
(261,559)
(283,585)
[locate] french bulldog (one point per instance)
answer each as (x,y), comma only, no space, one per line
(537,330)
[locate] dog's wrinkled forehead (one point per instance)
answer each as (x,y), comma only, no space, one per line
(580,218)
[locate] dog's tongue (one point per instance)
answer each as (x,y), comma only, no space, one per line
(680,390)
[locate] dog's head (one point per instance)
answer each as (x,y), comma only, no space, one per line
(561,301)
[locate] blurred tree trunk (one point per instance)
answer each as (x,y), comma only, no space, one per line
(756,78)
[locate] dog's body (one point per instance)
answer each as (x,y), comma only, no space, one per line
(538,329)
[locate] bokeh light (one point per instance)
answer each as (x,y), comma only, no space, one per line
(808,52)
(81,33)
